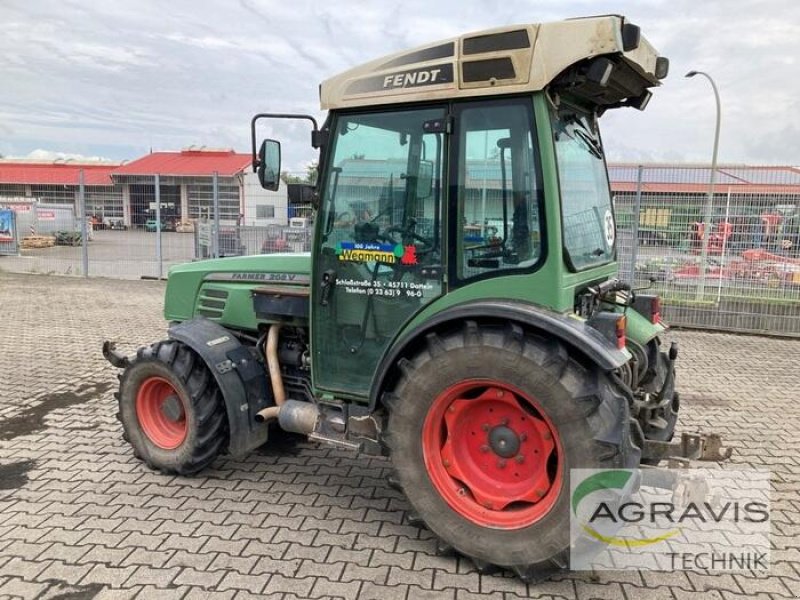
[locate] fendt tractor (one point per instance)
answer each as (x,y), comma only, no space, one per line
(459,311)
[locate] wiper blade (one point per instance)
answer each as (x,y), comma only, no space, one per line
(592,145)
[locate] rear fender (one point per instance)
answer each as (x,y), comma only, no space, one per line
(640,329)
(572,332)
(240,376)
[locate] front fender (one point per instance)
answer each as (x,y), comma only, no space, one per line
(239,375)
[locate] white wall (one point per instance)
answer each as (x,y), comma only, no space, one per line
(255,195)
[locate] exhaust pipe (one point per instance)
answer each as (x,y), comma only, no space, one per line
(268,413)
(274,366)
(294,416)
(275,377)
(271,352)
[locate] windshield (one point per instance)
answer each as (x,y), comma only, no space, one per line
(588,220)
(380,187)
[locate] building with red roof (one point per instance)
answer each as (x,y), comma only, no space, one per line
(25,172)
(126,191)
(185,184)
(58,182)
(188,163)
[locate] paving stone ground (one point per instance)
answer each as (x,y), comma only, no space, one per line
(81,518)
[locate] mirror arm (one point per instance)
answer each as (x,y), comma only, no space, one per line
(314,133)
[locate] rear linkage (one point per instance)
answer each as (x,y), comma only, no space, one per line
(691,446)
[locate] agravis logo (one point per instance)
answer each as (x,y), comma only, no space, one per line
(610,480)
(660,519)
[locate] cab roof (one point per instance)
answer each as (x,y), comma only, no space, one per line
(506,60)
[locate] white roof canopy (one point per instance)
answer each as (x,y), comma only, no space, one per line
(514,59)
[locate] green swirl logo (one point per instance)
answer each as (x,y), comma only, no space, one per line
(610,480)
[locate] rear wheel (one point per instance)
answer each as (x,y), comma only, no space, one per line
(485,425)
(171,409)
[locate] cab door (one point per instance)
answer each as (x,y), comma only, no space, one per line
(379,248)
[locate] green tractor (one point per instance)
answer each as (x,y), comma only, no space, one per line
(458,312)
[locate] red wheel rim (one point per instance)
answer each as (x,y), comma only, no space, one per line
(161,413)
(493,454)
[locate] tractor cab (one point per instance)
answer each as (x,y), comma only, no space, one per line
(471,168)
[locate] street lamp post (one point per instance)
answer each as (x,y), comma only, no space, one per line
(701,288)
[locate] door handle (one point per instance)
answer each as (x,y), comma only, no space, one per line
(328,281)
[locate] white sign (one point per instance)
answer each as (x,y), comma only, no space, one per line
(670,519)
(610,229)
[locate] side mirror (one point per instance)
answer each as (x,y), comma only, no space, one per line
(269,165)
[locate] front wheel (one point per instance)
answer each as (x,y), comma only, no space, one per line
(484,427)
(171,409)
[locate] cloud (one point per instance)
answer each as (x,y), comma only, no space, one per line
(118,78)
(49,156)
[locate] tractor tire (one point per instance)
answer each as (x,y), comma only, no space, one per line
(171,409)
(484,427)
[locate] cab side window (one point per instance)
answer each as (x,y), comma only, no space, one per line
(498,189)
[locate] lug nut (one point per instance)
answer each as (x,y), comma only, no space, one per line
(519,459)
(484,448)
(539,493)
(485,427)
(501,463)
(504,421)
(523,437)
(547,435)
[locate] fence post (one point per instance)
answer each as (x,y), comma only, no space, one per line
(84,228)
(215,225)
(722,257)
(158,223)
(637,209)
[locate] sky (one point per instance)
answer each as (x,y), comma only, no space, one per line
(117,79)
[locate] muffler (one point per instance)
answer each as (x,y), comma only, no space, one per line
(292,415)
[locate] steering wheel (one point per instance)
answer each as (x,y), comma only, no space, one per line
(427,244)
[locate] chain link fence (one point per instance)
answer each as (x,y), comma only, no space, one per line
(741,273)
(728,260)
(141,226)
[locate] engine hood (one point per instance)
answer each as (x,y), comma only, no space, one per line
(185,280)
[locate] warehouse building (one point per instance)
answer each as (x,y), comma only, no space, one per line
(58,182)
(126,191)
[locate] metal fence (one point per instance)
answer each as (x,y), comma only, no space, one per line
(742,273)
(747,279)
(142,225)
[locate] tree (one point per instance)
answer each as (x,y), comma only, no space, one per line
(287,178)
(310,176)
(312,171)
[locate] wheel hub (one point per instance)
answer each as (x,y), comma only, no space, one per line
(503,441)
(493,454)
(172,408)
(161,413)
